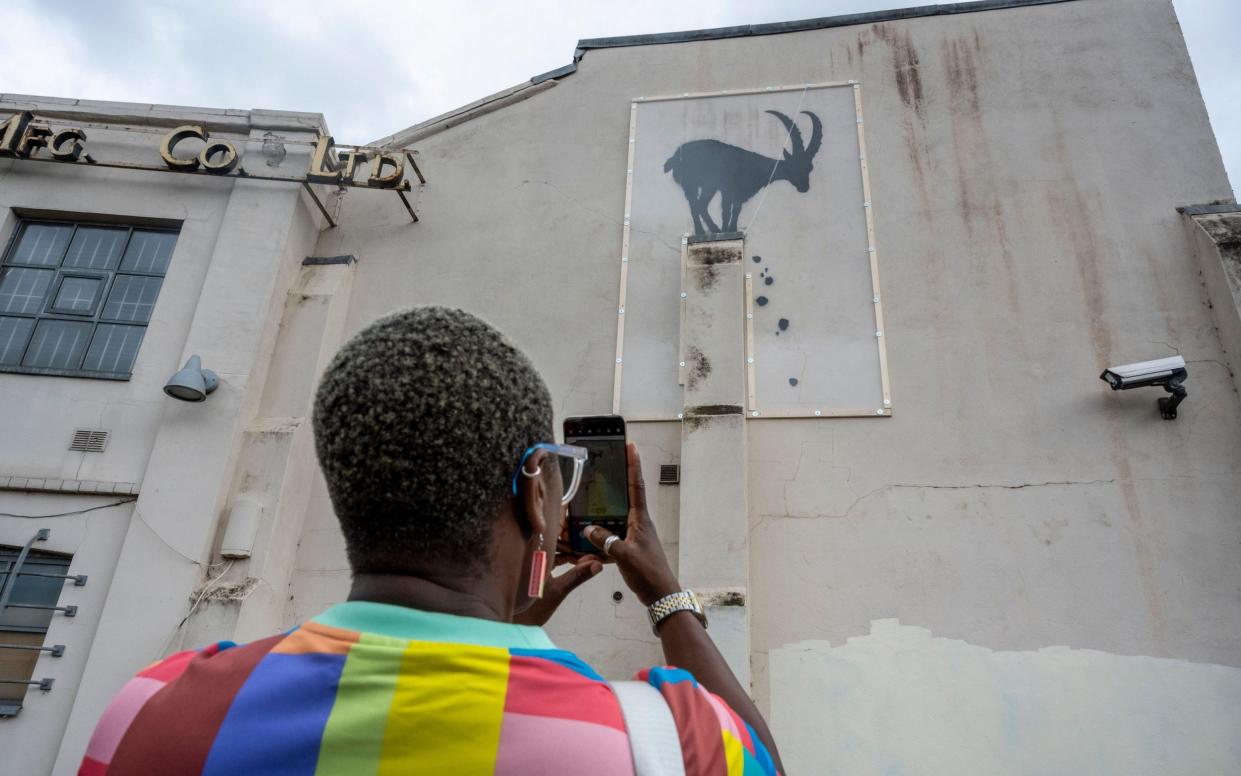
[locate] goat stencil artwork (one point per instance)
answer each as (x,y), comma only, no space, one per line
(704,168)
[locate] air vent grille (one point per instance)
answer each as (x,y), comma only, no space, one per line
(669,474)
(87,440)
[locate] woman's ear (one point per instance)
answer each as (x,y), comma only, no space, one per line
(532,495)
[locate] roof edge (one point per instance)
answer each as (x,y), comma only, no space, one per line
(1212,208)
(776,28)
(492,102)
(160,115)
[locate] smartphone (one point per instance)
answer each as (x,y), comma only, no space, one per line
(602,497)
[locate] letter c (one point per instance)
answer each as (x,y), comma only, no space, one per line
(66,145)
(185,164)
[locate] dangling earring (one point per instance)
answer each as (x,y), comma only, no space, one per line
(538,571)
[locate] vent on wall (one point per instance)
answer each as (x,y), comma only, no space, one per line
(87,440)
(669,474)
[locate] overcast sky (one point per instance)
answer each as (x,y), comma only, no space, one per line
(373,68)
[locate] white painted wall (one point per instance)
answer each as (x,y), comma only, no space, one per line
(1026,166)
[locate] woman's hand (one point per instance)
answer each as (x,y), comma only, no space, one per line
(685,641)
(639,556)
(557,589)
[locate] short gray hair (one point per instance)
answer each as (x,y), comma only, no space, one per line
(420,421)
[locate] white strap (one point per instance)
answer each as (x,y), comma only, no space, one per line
(653,738)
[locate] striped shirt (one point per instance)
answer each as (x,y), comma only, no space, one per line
(373,688)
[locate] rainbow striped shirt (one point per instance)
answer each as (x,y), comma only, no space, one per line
(373,688)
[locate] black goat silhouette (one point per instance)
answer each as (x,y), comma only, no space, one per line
(707,167)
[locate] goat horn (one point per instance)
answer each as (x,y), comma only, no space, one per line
(816,134)
(794,132)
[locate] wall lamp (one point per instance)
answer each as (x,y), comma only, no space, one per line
(1169,372)
(192,382)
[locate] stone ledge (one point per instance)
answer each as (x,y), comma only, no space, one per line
(79,487)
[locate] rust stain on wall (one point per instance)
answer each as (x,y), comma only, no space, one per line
(1071,210)
(980,191)
(904,63)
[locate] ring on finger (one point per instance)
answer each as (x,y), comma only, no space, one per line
(608,542)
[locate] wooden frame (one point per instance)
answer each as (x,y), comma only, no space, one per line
(624,271)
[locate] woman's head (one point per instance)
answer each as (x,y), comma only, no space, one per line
(420,421)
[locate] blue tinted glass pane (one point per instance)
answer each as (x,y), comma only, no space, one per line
(96,247)
(132,298)
(30,589)
(58,344)
(23,290)
(14,333)
(42,244)
(149,252)
(77,295)
(114,348)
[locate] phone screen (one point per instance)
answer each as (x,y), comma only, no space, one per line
(603,495)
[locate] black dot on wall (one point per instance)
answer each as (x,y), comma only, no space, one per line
(761,301)
(783,324)
(769,280)
(617,596)
(757,259)
(793,381)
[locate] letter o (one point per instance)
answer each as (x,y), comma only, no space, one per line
(222,166)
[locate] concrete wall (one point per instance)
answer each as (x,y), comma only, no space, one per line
(1026,165)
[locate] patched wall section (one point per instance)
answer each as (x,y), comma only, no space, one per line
(901,700)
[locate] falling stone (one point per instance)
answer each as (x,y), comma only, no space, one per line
(762,300)
(783,324)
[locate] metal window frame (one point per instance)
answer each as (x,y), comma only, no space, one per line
(50,309)
(10,708)
(96,317)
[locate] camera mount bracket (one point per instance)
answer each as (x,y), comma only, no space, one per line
(1168,404)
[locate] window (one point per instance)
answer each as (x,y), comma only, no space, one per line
(23,627)
(75,299)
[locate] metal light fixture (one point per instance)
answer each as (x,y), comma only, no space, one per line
(192,382)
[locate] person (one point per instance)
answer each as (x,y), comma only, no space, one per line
(434,434)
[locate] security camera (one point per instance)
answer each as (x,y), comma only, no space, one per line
(1169,372)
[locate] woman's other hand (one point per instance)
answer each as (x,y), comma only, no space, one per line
(556,590)
(639,556)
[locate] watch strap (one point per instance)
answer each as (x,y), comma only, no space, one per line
(682,601)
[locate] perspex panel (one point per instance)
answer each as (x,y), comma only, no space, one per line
(754,162)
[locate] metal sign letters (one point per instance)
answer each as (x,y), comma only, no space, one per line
(22,137)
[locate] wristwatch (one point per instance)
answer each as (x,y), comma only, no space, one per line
(684,601)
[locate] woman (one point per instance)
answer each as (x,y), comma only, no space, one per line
(435,438)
